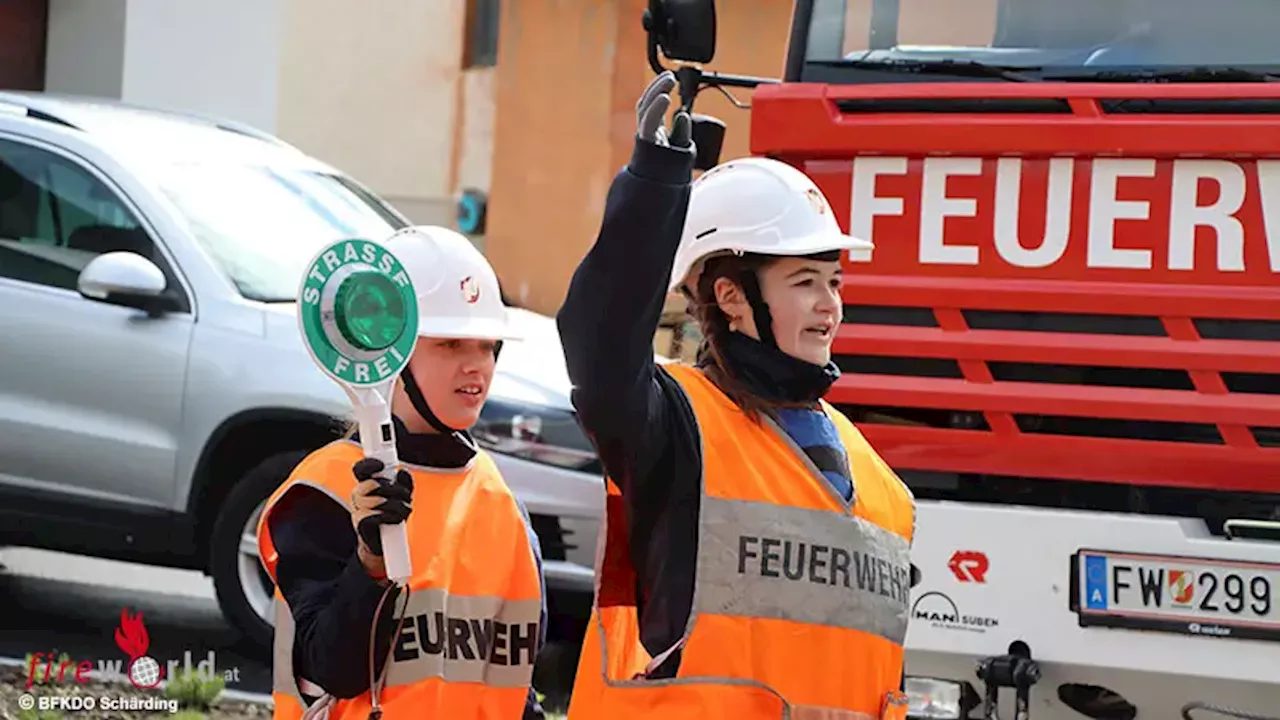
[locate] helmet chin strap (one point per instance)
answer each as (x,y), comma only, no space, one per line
(759,309)
(420,402)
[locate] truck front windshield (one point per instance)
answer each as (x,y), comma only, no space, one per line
(1040,37)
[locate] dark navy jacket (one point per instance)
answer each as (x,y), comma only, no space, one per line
(637,416)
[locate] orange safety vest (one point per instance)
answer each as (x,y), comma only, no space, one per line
(469,638)
(800,602)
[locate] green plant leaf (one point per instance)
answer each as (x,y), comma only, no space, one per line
(194,692)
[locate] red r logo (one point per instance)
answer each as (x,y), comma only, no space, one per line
(969,566)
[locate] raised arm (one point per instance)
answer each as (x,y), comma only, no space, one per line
(615,298)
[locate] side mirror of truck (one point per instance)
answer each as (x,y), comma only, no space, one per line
(684,29)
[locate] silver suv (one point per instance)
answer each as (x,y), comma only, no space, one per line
(153,383)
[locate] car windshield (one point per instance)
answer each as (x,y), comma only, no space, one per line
(263,224)
(1080,37)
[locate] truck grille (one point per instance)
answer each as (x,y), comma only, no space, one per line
(1144,385)
(987,372)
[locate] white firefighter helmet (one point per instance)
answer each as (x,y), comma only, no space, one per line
(755,205)
(457,290)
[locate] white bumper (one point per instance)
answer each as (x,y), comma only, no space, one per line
(1026,594)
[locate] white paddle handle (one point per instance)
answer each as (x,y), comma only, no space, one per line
(378,437)
(395,553)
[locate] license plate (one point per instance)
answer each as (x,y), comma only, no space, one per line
(1191,596)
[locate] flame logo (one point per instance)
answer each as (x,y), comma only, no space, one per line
(131,636)
(143,670)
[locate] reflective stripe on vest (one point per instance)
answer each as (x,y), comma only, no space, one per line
(283,679)
(471,620)
(814,567)
(800,603)
(467,639)
(456,638)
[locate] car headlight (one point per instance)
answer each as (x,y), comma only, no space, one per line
(934,699)
(535,432)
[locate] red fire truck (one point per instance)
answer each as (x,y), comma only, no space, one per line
(1067,336)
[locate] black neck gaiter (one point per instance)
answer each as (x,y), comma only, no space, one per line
(771,374)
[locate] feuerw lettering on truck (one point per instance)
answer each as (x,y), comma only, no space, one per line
(1141,219)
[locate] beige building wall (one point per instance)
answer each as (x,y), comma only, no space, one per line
(384,91)
(472,166)
(560,139)
(558,142)
(378,89)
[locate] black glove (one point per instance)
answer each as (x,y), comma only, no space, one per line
(376,502)
(651,110)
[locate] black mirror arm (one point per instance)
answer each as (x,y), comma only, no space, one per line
(689,80)
(692,78)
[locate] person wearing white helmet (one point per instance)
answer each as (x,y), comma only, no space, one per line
(461,638)
(754,559)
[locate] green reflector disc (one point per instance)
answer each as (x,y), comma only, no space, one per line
(369,311)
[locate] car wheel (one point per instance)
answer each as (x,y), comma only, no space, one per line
(244,588)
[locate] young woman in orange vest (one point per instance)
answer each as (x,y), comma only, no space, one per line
(460,640)
(755,557)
